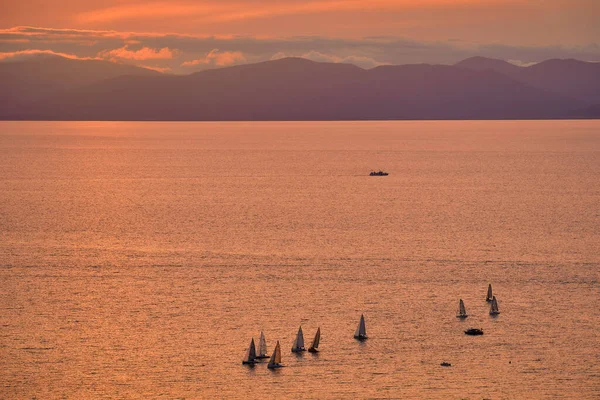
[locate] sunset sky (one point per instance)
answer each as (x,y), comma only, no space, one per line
(187,36)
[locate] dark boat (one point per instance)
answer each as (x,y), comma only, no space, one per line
(494,307)
(445,364)
(489,295)
(378,173)
(298,345)
(473,332)
(250,357)
(314,347)
(262,347)
(275,361)
(361,330)
(462,312)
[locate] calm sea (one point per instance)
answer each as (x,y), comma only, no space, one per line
(137,260)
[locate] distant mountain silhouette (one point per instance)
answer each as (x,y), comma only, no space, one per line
(293,89)
(492,64)
(572,78)
(45,76)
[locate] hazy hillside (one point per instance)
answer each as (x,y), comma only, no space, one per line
(24,82)
(293,89)
(573,78)
(483,63)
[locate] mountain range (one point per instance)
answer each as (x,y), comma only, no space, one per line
(56,88)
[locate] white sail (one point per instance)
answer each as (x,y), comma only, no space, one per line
(275,360)
(278,354)
(299,341)
(494,307)
(250,353)
(489,293)
(361,330)
(462,313)
(315,343)
(262,345)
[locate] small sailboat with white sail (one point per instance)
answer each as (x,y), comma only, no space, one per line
(298,345)
(462,313)
(490,295)
(361,330)
(250,357)
(494,307)
(314,347)
(275,361)
(262,347)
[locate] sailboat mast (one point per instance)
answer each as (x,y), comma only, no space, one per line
(361,330)
(298,342)
(262,345)
(250,354)
(314,347)
(489,293)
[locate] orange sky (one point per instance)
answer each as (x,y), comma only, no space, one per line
(449,28)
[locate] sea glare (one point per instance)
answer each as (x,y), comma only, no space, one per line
(137,260)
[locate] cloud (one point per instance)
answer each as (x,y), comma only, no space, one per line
(158,69)
(220,11)
(218,58)
(363,62)
(278,56)
(520,63)
(14,40)
(31,53)
(145,53)
(183,53)
(150,10)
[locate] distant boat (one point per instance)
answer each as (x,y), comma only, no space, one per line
(489,296)
(298,345)
(361,330)
(378,173)
(462,313)
(262,347)
(473,332)
(445,364)
(494,307)
(250,354)
(275,361)
(314,347)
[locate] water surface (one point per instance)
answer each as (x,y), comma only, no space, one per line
(137,260)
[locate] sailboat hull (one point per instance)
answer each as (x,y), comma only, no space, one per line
(462,316)
(248,362)
(274,366)
(494,307)
(361,337)
(490,294)
(313,350)
(298,350)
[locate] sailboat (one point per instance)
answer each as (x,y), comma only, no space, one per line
(298,345)
(489,296)
(262,347)
(314,347)
(462,313)
(250,354)
(361,330)
(494,307)
(275,361)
